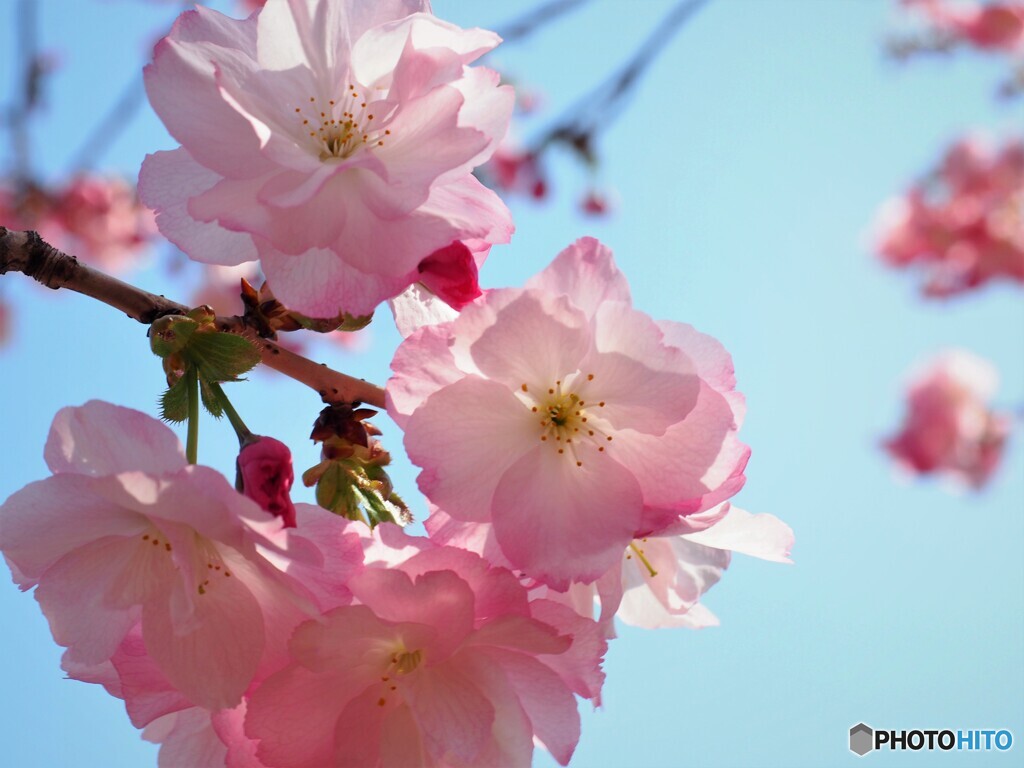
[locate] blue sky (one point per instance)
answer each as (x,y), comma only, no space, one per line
(749,166)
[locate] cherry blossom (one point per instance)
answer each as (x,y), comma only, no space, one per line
(125,533)
(964,225)
(333,141)
(949,427)
(97,219)
(989,26)
(660,579)
(444,661)
(567,419)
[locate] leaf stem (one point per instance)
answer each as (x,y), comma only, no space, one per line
(244,435)
(192,436)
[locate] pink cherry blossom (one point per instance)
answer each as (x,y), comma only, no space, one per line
(567,419)
(660,579)
(97,219)
(125,533)
(332,139)
(962,227)
(517,172)
(101,221)
(445,661)
(949,427)
(989,26)
(265,475)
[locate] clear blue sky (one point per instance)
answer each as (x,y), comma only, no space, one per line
(749,165)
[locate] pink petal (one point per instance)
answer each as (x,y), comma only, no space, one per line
(548,703)
(103,439)
(74,595)
(293,715)
(167,181)
(535,340)
(181,88)
(416,307)
(580,665)
(586,273)
(214,663)
(440,600)
(453,714)
(453,437)
(559,522)
(187,739)
(761,535)
(46,520)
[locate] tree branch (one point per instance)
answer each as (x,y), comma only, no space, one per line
(28,253)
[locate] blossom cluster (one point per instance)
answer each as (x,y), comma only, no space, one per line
(96,217)
(578,457)
(963,226)
(950,427)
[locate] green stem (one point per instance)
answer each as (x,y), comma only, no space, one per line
(192,437)
(244,435)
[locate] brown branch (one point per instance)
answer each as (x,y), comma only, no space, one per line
(28,253)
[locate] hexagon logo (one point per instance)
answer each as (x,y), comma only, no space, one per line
(862,739)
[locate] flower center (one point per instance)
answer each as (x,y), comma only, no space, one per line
(343,126)
(567,420)
(402,663)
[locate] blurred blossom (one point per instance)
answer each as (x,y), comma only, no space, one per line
(101,221)
(996,26)
(516,172)
(949,426)
(596,203)
(5,323)
(221,287)
(97,219)
(964,224)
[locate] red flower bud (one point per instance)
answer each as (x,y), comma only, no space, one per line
(265,476)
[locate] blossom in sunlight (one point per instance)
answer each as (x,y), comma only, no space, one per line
(333,140)
(660,579)
(444,661)
(265,475)
(964,225)
(567,419)
(950,428)
(125,533)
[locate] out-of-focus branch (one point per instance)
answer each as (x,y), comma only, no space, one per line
(28,253)
(529,23)
(595,111)
(106,131)
(31,72)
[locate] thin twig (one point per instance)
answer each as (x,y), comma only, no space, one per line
(597,108)
(31,72)
(28,253)
(107,130)
(530,22)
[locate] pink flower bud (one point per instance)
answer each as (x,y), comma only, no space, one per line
(265,476)
(451,273)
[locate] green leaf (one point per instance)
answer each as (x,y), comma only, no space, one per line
(222,356)
(174,402)
(210,400)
